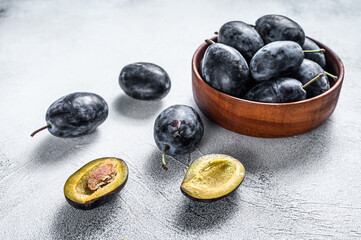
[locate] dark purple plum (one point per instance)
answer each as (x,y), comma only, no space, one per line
(75,115)
(276,59)
(177,130)
(282,90)
(242,37)
(316,57)
(308,70)
(279,28)
(263,92)
(225,69)
(144,81)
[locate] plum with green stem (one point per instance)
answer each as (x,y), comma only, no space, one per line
(282,90)
(177,130)
(75,114)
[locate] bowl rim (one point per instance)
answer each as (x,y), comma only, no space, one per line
(328,50)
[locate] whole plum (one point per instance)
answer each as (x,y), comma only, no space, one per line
(144,81)
(177,130)
(278,28)
(242,37)
(225,69)
(276,59)
(282,90)
(308,70)
(316,57)
(75,114)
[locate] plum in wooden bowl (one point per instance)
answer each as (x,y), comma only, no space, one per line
(261,119)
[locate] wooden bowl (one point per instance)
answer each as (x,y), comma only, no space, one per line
(269,120)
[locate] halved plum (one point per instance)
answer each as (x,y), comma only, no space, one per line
(212,177)
(96,182)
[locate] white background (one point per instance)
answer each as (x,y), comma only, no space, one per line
(302,187)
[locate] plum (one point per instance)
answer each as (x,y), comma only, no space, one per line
(177,130)
(242,37)
(278,28)
(212,177)
(316,57)
(75,114)
(78,190)
(308,70)
(225,69)
(144,81)
(276,59)
(282,90)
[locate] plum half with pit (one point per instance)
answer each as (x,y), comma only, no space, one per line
(242,37)
(177,130)
(144,81)
(75,114)
(274,27)
(96,183)
(225,69)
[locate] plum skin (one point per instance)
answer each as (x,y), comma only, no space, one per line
(178,129)
(76,114)
(307,71)
(276,59)
(144,81)
(282,90)
(316,57)
(277,28)
(242,37)
(225,69)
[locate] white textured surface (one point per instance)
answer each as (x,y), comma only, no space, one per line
(302,187)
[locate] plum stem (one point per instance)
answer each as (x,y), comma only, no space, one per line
(209,41)
(40,129)
(164,165)
(331,75)
(321,50)
(314,79)
(216,33)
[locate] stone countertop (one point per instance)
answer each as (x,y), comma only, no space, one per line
(302,187)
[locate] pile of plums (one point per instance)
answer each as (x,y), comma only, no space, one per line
(272,62)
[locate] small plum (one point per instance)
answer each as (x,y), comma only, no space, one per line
(144,81)
(177,130)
